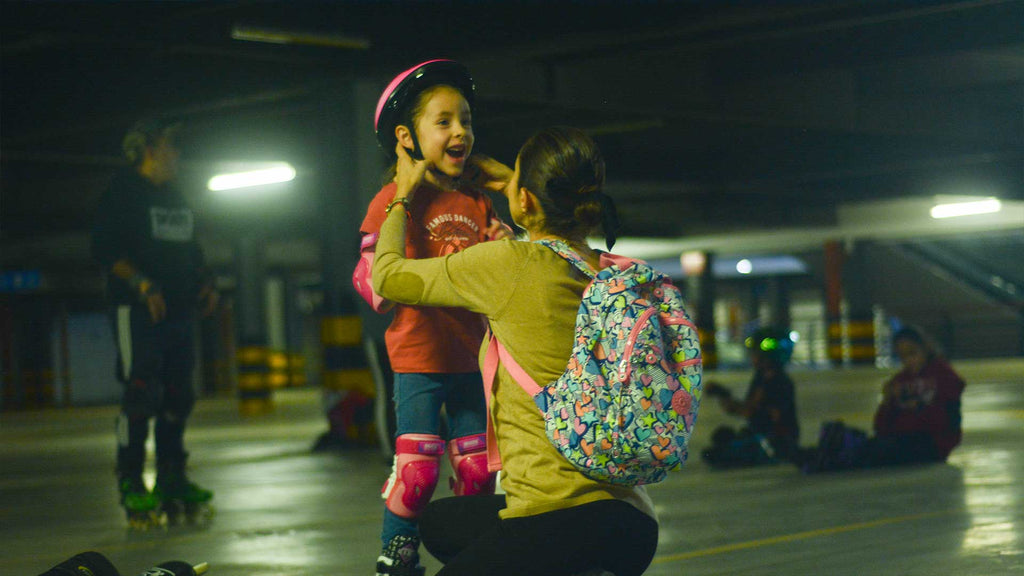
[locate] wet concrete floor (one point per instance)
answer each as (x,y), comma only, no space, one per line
(285,510)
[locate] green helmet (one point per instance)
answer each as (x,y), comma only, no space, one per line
(772,343)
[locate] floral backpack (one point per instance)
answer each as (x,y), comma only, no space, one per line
(624,409)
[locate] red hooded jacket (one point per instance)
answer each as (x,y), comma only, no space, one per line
(928,402)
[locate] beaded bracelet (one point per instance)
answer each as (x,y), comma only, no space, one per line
(403,201)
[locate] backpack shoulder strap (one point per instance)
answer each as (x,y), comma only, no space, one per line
(570,255)
(496,352)
(562,249)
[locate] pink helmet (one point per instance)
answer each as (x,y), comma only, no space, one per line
(395,104)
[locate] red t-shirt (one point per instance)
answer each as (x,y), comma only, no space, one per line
(424,339)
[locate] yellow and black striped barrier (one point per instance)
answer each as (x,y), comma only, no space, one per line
(708,348)
(348,376)
(860,332)
(296,369)
(255,385)
(853,340)
(834,341)
(277,369)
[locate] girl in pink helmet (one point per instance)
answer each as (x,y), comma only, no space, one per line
(427,111)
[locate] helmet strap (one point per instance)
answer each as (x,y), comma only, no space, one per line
(415,153)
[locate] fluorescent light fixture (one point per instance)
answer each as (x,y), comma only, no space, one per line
(744,266)
(278,36)
(955,209)
(282,172)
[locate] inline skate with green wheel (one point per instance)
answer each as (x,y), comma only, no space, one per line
(140,505)
(180,498)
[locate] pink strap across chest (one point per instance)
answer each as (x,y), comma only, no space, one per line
(496,353)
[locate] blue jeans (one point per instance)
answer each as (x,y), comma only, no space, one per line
(418,400)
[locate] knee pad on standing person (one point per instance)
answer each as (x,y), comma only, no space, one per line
(468,457)
(415,473)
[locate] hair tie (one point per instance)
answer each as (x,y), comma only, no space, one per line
(609,219)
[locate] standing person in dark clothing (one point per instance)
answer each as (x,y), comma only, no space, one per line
(772,432)
(144,238)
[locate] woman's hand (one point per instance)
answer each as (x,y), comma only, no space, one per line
(487,173)
(498,230)
(409,173)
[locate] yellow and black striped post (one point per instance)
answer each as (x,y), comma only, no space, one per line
(860,333)
(255,388)
(348,380)
(277,369)
(708,348)
(700,299)
(834,301)
(296,369)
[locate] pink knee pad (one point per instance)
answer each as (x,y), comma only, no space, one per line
(414,476)
(468,456)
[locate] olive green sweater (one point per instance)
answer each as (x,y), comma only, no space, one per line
(530,296)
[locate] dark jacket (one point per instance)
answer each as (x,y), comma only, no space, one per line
(153,228)
(775,415)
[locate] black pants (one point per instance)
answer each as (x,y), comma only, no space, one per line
(466,534)
(899,449)
(155,365)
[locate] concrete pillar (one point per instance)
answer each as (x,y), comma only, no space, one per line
(349,388)
(277,338)
(850,317)
(255,392)
(294,334)
(860,317)
(834,256)
(700,296)
(780,303)
(758,292)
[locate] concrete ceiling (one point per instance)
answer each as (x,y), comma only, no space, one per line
(714,117)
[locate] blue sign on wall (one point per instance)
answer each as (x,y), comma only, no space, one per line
(20,280)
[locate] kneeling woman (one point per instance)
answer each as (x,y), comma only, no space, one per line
(551,519)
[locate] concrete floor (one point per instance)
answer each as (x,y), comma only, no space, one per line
(282,510)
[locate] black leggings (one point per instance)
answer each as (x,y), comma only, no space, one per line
(466,534)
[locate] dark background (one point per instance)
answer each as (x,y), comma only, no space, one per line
(715,118)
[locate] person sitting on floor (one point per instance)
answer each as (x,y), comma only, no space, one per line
(772,432)
(917,421)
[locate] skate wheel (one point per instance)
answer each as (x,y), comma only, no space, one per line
(199,513)
(174,511)
(144,521)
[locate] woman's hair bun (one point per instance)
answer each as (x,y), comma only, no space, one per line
(589,213)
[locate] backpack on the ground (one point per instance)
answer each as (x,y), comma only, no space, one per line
(840,447)
(624,409)
(730,449)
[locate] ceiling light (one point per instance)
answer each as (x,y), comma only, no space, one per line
(277,36)
(280,173)
(955,209)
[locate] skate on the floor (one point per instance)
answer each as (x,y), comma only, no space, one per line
(400,558)
(183,500)
(141,507)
